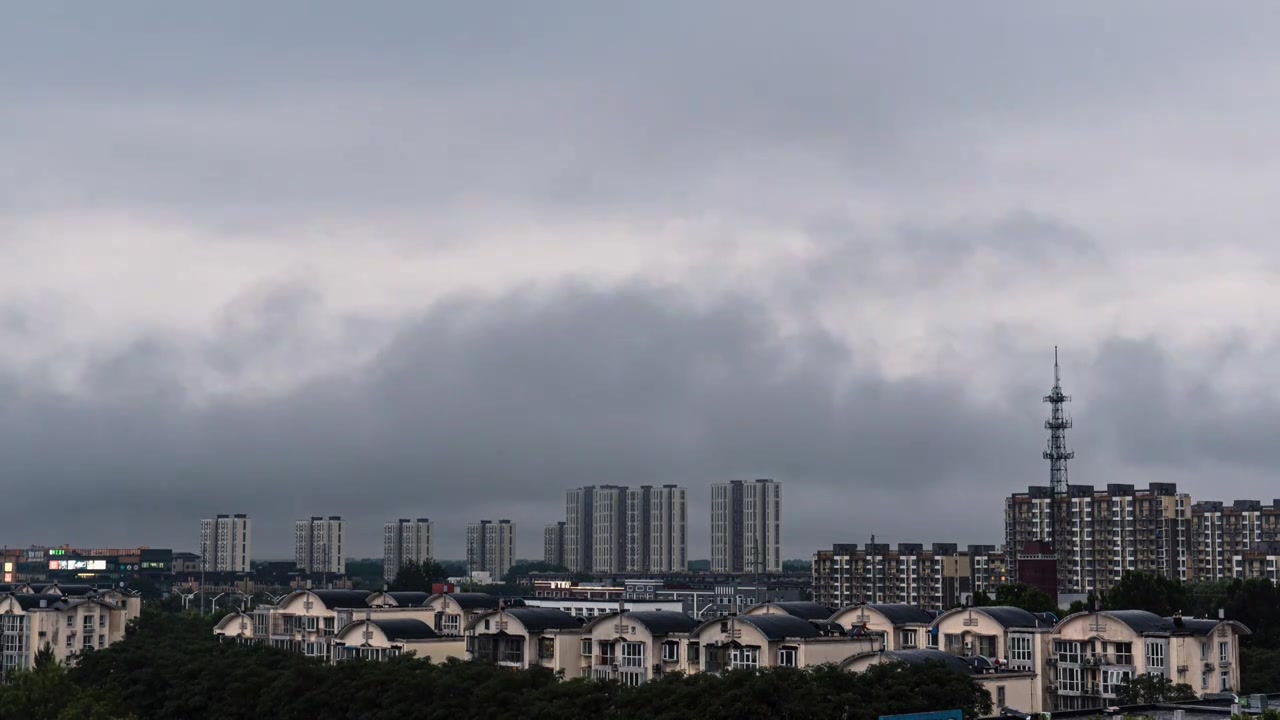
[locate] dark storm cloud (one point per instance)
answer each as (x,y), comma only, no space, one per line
(492,408)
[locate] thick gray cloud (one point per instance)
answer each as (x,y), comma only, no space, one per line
(411,258)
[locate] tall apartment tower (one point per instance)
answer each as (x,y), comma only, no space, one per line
(1112,530)
(553,544)
(746,527)
(611,529)
(668,537)
(491,547)
(319,545)
(404,541)
(224,543)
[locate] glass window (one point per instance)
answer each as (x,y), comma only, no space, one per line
(1155,657)
(586,646)
(1124,653)
(999,696)
(632,655)
(1020,650)
(1067,652)
(744,658)
(787,657)
(1224,651)
(1069,679)
(1225,679)
(695,653)
(670,652)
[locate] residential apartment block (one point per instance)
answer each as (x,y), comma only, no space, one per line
(491,547)
(225,542)
(746,527)
(1224,537)
(938,577)
(1114,530)
(612,529)
(68,620)
(553,544)
(319,545)
(403,542)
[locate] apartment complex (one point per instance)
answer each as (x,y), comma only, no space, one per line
(935,577)
(67,620)
(319,545)
(1154,530)
(225,542)
(746,527)
(553,544)
(491,547)
(403,542)
(611,529)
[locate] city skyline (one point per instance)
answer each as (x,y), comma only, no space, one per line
(446,262)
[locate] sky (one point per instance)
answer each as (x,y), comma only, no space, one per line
(448,260)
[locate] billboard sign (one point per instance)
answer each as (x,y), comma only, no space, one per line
(77,564)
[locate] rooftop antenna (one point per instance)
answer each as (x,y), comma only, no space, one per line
(1057,454)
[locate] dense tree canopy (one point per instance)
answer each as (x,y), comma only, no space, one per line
(171,667)
(1146,689)
(418,576)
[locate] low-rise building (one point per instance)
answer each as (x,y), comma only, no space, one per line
(898,626)
(748,642)
(598,608)
(382,638)
(306,620)
(1013,689)
(452,612)
(526,637)
(67,621)
(634,647)
(1095,652)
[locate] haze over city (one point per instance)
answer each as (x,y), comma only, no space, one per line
(416,262)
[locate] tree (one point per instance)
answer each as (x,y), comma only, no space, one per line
(1147,689)
(418,576)
(1019,595)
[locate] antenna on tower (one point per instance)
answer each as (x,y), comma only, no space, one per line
(1057,454)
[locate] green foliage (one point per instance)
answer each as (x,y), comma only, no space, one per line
(1018,595)
(418,576)
(796,566)
(1147,689)
(365,573)
(171,667)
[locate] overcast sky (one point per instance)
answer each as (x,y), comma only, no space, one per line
(401,259)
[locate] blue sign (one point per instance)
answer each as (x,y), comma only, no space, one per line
(940,715)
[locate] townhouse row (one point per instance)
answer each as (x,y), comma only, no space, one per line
(1032,663)
(67,620)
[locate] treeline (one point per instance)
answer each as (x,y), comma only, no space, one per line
(171,667)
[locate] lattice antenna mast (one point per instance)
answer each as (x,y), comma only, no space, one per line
(1057,454)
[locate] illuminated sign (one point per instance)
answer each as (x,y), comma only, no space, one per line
(56,551)
(8,567)
(77,564)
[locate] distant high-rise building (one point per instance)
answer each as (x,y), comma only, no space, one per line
(936,577)
(746,527)
(611,529)
(491,547)
(404,541)
(224,543)
(553,544)
(319,545)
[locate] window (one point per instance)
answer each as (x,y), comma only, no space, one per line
(787,657)
(999,696)
(312,623)
(1155,657)
(954,644)
(1225,679)
(1069,679)
(632,655)
(906,638)
(1020,650)
(450,625)
(1113,679)
(1124,653)
(1204,680)
(931,639)
(1224,651)
(744,658)
(1067,652)
(71,621)
(606,652)
(694,653)
(670,652)
(586,647)
(546,648)
(486,624)
(102,641)
(1204,650)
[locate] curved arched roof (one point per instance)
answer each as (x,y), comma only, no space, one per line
(916,657)
(404,628)
(895,613)
(1148,623)
(773,627)
(1008,617)
(469,600)
(657,622)
(802,609)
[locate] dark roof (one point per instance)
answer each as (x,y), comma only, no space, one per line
(407,598)
(664,622)
(804,610)
(342,598)
(1012,617)
(778,627)
(474,600)
(67,589)
(537,619)
(30,602)
(405,629)
(1144,623)
(916,657)
(903,614)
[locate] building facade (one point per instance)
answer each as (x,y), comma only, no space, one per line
(937,577)
(403,542)
(553,544)
(1114,530)
(746,527)
(612,529)
(491,547)
(225,543)
(319,545)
